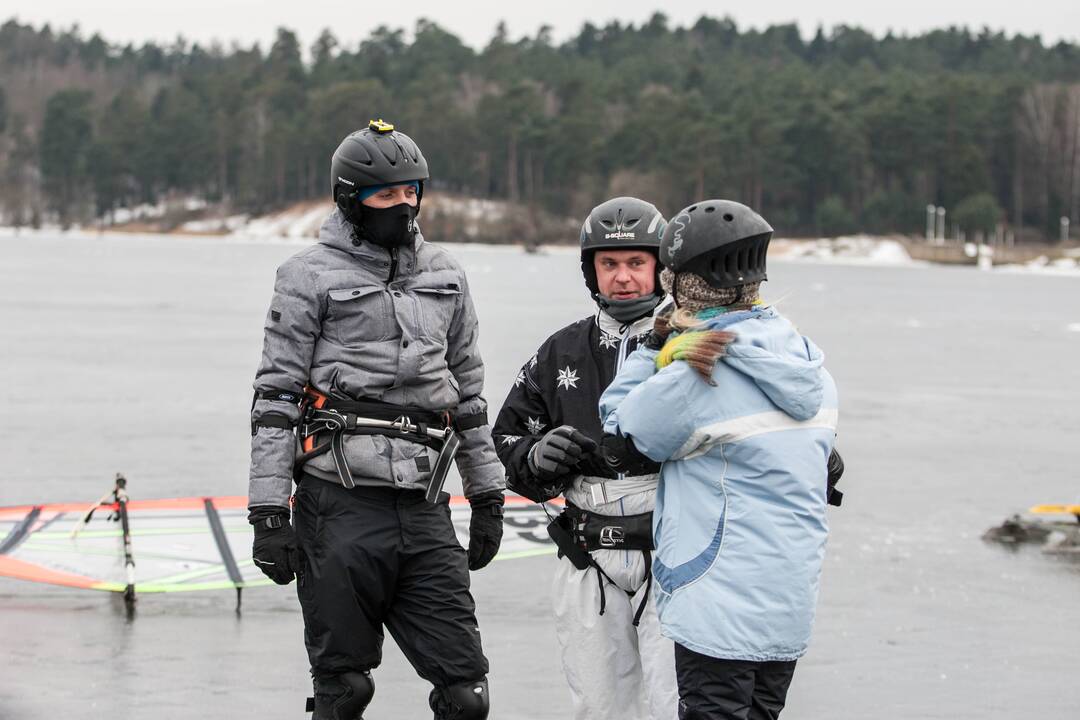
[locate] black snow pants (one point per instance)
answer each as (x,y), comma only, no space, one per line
(714,689)
(379,557)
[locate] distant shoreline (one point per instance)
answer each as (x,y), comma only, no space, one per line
(867,250)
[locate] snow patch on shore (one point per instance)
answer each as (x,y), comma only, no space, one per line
(1066,266)
(853,250)
(214,226)
(299,223)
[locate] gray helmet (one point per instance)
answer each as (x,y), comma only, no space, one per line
(622,223)
(376,155)
(722,241)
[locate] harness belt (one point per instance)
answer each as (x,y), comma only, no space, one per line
(323,415)
(577,533)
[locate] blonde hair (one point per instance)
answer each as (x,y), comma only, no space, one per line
(680,320)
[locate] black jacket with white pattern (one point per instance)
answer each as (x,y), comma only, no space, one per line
(561,385)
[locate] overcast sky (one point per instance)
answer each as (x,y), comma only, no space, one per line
(248,21)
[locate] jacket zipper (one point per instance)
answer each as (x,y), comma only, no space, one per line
(619,358)
(622,347)
(393,265)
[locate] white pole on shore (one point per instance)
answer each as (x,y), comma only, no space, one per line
(984,254)
(931,211)
(1064,229)
(940,234)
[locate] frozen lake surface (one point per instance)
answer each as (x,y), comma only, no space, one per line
(958,407)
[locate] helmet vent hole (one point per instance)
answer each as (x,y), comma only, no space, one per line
(692,208)
(630,224)
(729,217)
(607,224)
(710,209)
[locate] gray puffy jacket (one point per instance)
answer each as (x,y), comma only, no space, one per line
(338,325)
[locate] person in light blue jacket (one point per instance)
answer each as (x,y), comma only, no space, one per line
(738,407)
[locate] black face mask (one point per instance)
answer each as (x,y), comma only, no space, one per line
(388,227)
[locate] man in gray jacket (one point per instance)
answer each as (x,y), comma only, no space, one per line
(370,380)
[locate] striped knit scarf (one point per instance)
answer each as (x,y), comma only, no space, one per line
(700,349)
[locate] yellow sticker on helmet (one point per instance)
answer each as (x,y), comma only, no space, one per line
(380,126)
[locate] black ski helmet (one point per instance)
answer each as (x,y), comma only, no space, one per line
(722,241)
(622,223)
(375,155)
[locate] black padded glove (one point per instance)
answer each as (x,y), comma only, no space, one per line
(592,463)
(275,550)
(485,528)
(559,452)
(622,456)
(835,470)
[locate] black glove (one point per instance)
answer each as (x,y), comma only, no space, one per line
(622,456)
(593,464)
(661,329)
(275,550)
(485,528)
(653,340)
(559,452)
(835,470)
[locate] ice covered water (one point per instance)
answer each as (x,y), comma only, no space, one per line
(958,406)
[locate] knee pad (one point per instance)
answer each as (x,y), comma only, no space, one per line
(341,697)
(462,701)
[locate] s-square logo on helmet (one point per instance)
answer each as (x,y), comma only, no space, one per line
(619,236)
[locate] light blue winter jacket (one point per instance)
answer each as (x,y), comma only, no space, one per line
(740,521)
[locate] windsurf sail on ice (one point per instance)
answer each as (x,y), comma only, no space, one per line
(131,546)
(179,544)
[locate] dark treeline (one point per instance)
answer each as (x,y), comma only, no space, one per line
(836,133)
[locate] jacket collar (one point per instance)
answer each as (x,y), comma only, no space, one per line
(611,326)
